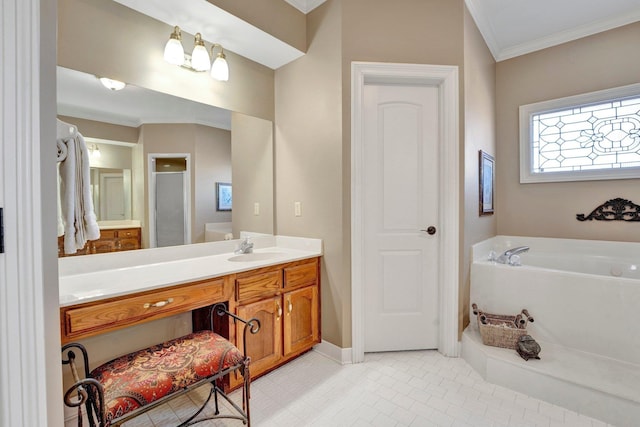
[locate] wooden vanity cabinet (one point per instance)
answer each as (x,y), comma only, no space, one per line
(111,240)
(285,299)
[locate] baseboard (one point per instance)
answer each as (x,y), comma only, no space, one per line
(333,352)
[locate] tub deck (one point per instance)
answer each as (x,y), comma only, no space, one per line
(596,386)
(584,296)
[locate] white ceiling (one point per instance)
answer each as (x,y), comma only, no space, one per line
(516,27)
(82,95)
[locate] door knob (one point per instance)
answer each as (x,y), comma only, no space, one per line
(431,230)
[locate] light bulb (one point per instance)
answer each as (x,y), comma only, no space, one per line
(112,84)
(220,68)
(200,60)
(95,151)
(173,50)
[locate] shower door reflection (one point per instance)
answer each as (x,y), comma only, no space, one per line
(170,188)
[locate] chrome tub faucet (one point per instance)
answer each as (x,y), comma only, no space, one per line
(510,256)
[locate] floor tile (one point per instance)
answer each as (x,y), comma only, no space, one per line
(416,388)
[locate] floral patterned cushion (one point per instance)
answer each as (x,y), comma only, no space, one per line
(137,379)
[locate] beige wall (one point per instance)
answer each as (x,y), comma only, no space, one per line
(212,164)
(480,134)
(208,147)
(252,173)
(107,39)
(309,159)
(103,130)
(597,62)
(275,17)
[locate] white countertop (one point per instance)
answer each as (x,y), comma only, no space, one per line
(95,277)
(115,224)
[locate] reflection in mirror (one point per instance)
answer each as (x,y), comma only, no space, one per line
(128,126)
(111,190)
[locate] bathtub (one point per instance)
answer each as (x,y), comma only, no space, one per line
(585,299)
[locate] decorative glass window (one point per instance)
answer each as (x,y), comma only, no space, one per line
(584,137)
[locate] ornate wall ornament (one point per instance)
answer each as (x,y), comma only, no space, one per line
(617,209)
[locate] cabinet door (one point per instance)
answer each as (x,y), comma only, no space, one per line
(129,243)
(301,322)
(103,245)
(265,347)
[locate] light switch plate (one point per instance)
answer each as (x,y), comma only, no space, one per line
(256,208)
(297,208)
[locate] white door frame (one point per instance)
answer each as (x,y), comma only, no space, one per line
(30,370)
(152,196)
(445,78)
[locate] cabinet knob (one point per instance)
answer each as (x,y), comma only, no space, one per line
(279,309)
(289,306)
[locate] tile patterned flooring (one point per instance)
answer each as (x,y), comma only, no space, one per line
(415,388)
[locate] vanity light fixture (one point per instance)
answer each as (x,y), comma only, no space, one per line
(199,59)
(112,84)
(94,151)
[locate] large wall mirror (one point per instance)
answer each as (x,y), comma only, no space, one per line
(220,130)
(127,130)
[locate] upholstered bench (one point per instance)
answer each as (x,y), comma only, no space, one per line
(130,385)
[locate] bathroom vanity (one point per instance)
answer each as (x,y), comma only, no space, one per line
(115,236)
(279,283)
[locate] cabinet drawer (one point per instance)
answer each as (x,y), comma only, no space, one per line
(108,234)
(103,246)
(106,315)
(301,275)
(127,244)
(129,232)
(258,285)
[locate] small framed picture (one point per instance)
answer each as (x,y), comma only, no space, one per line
(223,196)
(487,179)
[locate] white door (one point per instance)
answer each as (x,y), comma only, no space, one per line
(112,196)
(400,199)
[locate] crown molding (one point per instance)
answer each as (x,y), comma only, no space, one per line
(501,53)
(567,35)
(484,26)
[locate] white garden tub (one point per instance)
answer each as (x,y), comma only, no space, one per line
(585,298)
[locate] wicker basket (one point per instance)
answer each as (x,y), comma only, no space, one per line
(500,330)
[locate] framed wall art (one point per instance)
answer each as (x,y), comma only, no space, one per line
(487,180)
(224,196)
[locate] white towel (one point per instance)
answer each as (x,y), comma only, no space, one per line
(59,205)
(78,217)
(62,150)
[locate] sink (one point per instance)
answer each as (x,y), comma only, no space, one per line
(256,256)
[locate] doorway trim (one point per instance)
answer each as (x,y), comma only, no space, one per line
(445,78)
(152,195)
